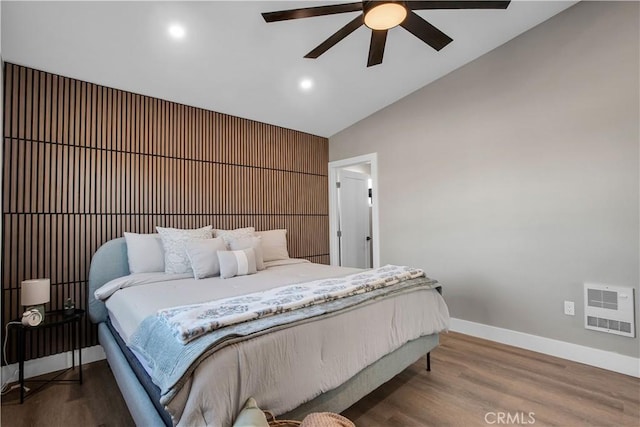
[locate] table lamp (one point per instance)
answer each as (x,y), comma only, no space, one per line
(35,293)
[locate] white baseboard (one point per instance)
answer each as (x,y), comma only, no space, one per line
(55,362)
(578,353)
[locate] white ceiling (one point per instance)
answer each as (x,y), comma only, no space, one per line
(233,62)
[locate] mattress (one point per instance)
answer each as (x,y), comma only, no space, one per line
(281,369)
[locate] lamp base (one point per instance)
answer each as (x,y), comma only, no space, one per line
(38,308)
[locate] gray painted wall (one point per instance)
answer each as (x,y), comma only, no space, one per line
(514,179)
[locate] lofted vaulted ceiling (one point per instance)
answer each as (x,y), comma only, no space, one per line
(230,60)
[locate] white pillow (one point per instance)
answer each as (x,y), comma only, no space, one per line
(234,234)
(237,263)
(274,245)
(175,254)
(145,252)
(246,243)
(203,255)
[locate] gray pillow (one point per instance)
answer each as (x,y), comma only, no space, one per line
(144,252)
(175,254)
(274,244)
(237,263)
(249,242)
(238,232)
(203,254)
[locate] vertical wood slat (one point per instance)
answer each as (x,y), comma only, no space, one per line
(83,163)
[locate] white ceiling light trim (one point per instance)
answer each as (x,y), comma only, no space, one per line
(306,84)
(176,31)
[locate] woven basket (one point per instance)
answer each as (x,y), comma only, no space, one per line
(271,419)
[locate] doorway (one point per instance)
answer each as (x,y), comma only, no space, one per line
(353,212)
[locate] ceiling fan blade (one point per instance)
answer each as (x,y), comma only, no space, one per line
(336,37)
(425,31)
(423,5)
(376,48)
(308,12)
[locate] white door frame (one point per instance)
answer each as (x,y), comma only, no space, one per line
(334,247)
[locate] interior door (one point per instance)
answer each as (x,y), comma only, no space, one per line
(353,200)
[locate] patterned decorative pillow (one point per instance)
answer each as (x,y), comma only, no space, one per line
(203,255)
(237,263)
(246,243)
(234,234)
(175,253)
(274,244)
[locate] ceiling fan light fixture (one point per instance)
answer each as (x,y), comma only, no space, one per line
(384,15)
(380,16)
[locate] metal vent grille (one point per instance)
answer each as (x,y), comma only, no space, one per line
(609,324)
(604,299)
(609,309)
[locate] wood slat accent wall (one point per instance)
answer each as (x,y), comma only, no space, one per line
(83,163)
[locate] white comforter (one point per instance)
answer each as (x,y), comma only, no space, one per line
(285,368)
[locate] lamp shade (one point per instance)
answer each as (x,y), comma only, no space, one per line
(35,292)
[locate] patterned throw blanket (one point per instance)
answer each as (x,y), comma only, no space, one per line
(192,321)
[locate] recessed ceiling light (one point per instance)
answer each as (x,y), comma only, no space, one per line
(176,31)
(306,84)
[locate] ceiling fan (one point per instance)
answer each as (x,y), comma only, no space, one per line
(380,16)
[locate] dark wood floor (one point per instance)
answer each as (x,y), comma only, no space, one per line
(473,382)
(97,402)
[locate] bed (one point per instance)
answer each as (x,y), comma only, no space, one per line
(304,375)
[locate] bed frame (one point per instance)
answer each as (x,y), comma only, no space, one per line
(110,262)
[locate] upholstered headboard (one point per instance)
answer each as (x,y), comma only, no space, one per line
(108,263)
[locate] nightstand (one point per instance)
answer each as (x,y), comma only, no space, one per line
(51,320)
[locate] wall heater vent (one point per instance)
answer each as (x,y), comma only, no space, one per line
(609,309)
